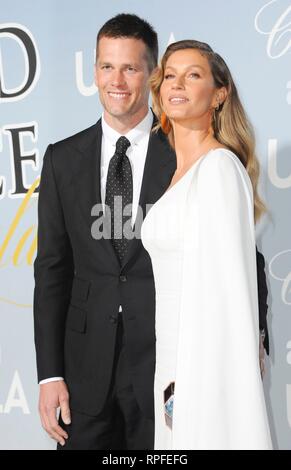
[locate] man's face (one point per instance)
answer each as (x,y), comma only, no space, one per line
(121,75)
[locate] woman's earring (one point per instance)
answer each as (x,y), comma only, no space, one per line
(165,123)
(215,116)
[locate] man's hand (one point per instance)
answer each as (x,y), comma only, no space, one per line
(52,396)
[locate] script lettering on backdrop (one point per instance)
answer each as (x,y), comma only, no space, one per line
(274,21)
(279,34)
(279,270)
(18,242)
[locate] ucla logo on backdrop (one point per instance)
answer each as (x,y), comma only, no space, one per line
(85,90)
(288,97)
(29,65)
(288,386)
(15,396)
(89,89)
(274,21)
(281,182)
(288,393)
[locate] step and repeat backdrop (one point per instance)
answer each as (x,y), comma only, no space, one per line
(47,93)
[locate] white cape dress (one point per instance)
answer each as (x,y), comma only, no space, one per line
(207,326)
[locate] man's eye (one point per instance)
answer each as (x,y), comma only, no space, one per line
(106,67)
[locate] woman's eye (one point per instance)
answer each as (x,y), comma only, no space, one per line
(168,75)
(194,75)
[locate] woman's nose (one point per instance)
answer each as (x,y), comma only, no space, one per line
(178,83)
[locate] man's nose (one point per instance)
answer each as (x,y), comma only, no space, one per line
(118,78)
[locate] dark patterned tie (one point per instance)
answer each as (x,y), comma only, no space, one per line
(119,194)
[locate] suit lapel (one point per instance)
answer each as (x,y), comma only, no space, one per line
(88,179)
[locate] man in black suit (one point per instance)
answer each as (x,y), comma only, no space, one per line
(94,302)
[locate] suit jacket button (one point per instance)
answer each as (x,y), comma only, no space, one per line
(113,319)
(123,278)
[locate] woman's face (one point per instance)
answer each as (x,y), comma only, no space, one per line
(188,91)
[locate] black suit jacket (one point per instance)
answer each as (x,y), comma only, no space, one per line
(79,283)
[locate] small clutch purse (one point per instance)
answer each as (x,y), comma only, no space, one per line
(169,403)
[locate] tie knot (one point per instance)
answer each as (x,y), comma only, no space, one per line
(122,145)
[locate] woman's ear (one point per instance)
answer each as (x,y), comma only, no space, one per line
(222,95)
(219,97)
(155,69)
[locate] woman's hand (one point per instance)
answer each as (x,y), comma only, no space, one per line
(262,356)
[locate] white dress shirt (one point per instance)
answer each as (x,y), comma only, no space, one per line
(139,139)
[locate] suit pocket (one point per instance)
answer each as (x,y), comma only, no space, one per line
(80,289)
(76,319)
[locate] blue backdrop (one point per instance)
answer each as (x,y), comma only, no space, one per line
(47,92)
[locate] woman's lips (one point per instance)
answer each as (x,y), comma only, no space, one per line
(178,99)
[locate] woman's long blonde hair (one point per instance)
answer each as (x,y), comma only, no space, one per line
(230,124)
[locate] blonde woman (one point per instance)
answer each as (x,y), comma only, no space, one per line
(200,236)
